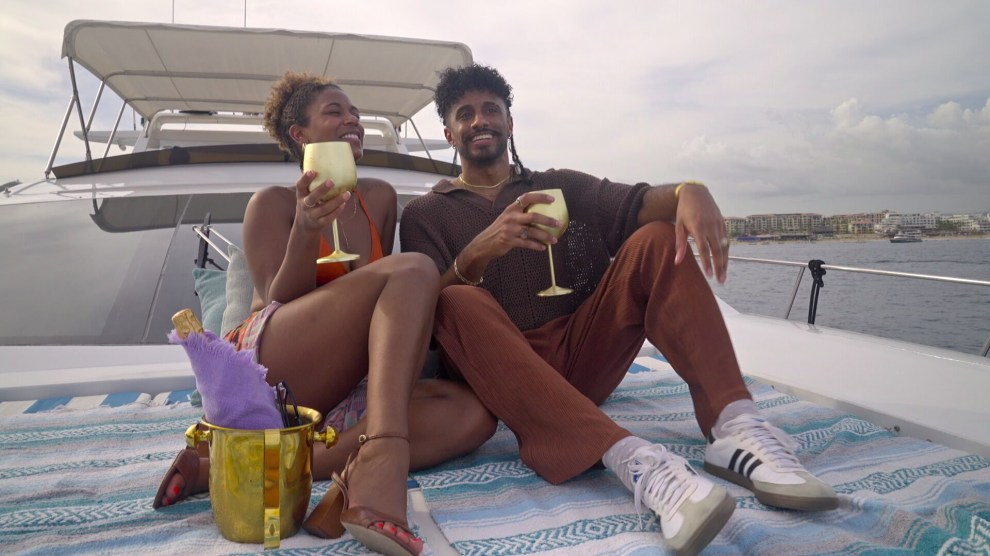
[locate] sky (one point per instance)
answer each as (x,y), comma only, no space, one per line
(779,107)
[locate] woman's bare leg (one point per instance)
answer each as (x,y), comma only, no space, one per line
(446,420)
(376,321)
(367,323)
(373,322)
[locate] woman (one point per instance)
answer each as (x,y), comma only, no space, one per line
(345,336)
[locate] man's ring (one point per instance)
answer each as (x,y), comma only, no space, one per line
(525,233)
(307,204)
(518,201)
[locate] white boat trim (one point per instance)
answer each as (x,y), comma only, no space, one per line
(891,383)
(38,373)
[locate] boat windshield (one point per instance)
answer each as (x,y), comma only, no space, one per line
(105,272)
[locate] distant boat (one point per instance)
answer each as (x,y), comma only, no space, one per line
(907,236)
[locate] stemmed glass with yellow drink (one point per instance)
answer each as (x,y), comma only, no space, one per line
(332,160)
(558,211)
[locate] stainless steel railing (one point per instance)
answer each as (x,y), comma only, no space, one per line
(204,231)
(803,266)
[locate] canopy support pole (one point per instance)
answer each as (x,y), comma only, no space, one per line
(58,138)
(92,113)
(78,103)
(423,143)
(113,134)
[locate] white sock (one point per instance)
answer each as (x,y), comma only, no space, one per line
(731,411)
(616,458)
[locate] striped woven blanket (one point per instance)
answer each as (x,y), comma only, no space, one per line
(898,495)
(81,481)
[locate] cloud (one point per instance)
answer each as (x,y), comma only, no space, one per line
(29,58)
(909,160)
(949,143)
(780,106)
(951,115)
(23,154)
(847,114)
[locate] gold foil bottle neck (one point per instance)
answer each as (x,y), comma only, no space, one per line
(186,322)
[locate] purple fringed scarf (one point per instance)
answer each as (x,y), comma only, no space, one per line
(235,393)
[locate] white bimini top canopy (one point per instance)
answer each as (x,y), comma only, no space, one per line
(157,66)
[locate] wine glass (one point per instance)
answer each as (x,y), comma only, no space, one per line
(332,160)
(558,211)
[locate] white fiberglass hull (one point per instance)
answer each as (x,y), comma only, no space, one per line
(924,392)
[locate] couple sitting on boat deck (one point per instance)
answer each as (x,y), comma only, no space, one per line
(352,341)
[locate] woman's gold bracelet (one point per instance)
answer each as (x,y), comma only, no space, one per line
(465,280)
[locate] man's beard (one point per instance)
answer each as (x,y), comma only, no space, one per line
(486,158)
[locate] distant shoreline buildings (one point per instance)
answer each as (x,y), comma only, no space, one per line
(884,223)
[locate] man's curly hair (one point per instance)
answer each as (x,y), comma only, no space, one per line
(456,82)
(287,103)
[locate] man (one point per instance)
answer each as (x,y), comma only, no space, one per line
(543,364)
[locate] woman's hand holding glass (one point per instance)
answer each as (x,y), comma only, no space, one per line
(311,212)
(336,173)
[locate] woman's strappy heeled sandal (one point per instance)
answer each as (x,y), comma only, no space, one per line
(333,515)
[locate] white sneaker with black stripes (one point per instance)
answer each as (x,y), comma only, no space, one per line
(691,508)
(759,456)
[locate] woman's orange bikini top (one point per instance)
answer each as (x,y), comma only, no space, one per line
(331,271)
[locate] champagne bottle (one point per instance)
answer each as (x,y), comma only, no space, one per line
(186,322)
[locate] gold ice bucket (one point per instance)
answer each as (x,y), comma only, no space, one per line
(260,480)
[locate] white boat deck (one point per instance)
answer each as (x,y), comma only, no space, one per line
(924,392)
(56,466)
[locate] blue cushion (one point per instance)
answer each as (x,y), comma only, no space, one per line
(211,287)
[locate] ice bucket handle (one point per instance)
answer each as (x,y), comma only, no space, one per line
(326,437)
(273,451)
(194,435)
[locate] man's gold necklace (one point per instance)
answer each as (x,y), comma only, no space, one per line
(462,180)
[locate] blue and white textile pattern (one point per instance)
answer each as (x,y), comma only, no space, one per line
(897,495)
(81,481)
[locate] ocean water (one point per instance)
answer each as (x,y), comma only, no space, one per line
(952,316)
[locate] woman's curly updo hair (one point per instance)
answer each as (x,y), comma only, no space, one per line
(286,106)
(456,82)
